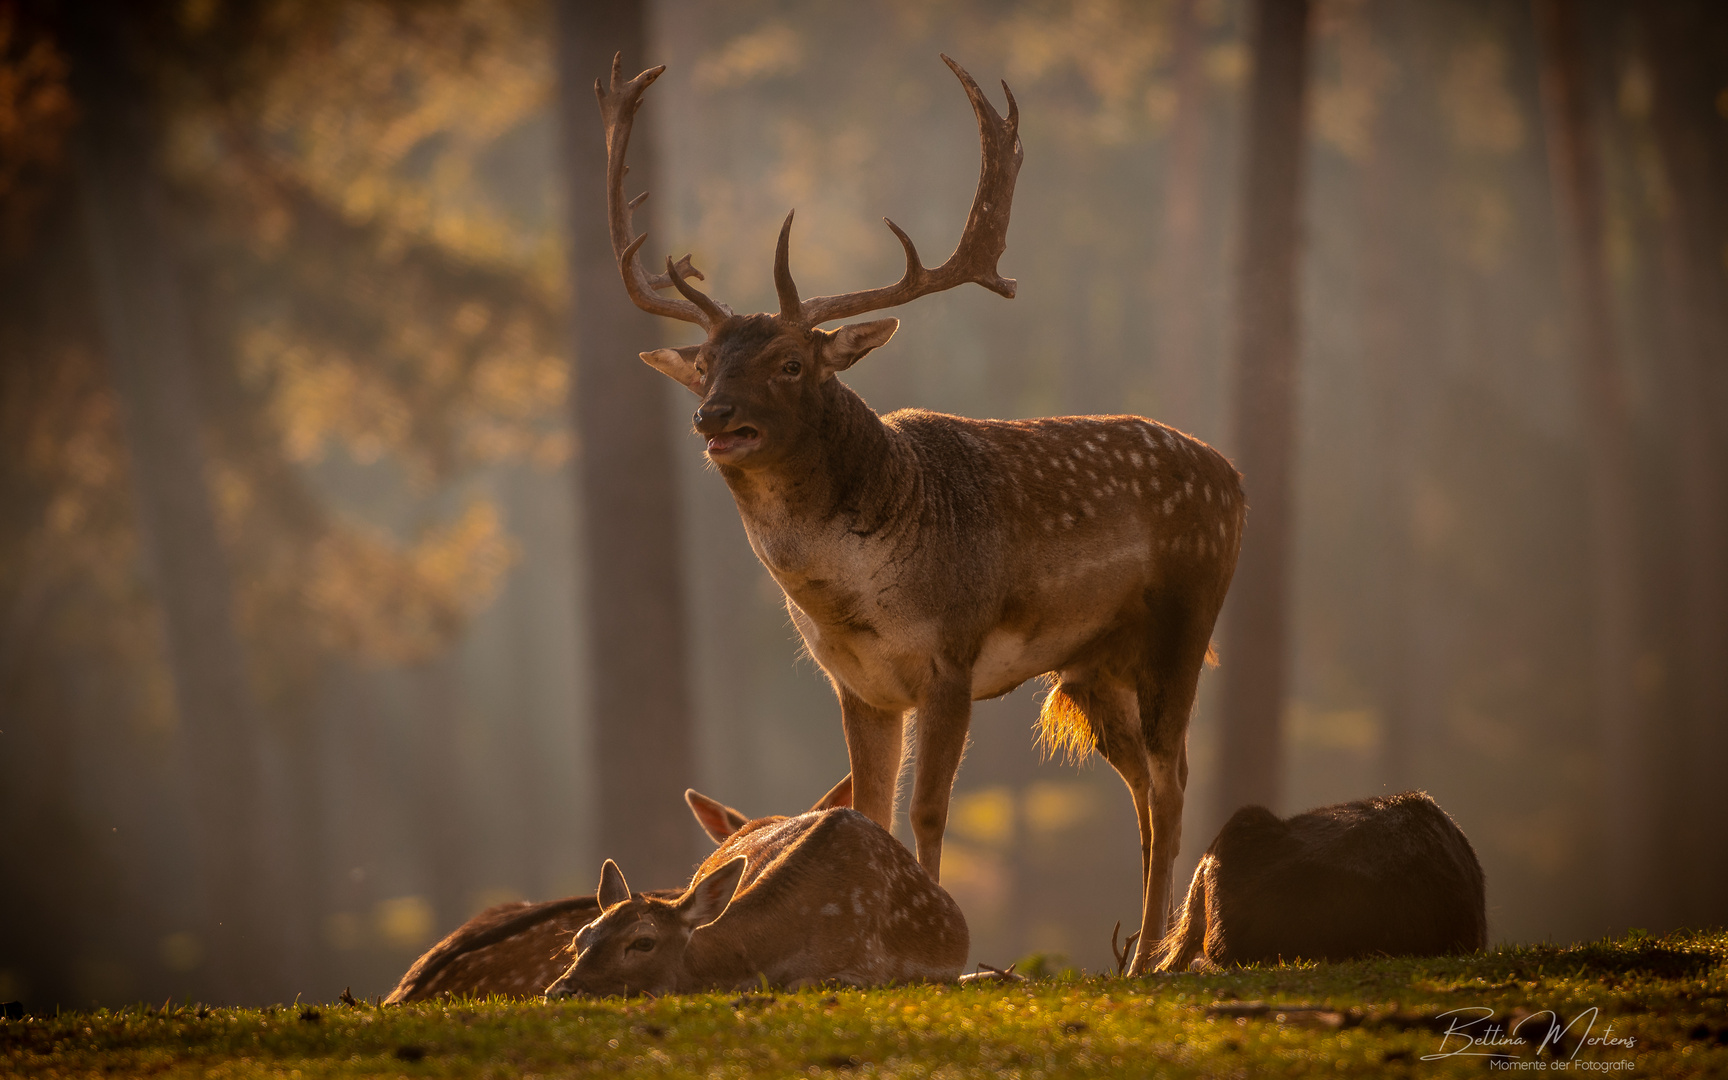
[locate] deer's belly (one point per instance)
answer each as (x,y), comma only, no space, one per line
(884,654)
(1047,626)
(1009,658)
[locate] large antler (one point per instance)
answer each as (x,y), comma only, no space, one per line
(618,105)
(974,258)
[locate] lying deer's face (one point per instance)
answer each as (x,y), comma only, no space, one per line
(637,945)
(760,381)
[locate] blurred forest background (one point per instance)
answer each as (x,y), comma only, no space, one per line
(295,632)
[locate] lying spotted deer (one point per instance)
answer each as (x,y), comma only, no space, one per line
(1391,876)
(928,560)
(518,949)
(825,897)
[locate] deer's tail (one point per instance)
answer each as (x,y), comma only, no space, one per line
(1063,730)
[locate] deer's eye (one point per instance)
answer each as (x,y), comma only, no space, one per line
(791,367)
(642,944)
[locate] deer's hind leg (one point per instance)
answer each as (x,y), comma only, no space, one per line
(1177,640)
(1112,714)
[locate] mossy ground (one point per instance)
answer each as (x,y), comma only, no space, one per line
(1666,997)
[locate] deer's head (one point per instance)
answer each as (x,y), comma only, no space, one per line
(761,377)
(637,945)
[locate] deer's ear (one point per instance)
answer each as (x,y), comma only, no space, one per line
(838,795)
(709,897)
(716,818)
(837,350)
(679,365)
(613,888)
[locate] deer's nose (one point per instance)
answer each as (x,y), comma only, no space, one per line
(711,417)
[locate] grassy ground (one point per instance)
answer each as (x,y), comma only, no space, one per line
(1642,1006)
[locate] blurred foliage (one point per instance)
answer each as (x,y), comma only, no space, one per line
(356,287)
(36,111)
(371,310)
(1354,71)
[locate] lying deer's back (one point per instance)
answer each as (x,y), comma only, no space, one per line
(829,891)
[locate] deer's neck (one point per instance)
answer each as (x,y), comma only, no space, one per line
(848,476)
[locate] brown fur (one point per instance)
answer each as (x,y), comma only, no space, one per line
(1389,876)
(825,897)
(518,949)
(512,950)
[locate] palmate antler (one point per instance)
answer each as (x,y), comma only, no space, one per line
(618,105)
(974,259)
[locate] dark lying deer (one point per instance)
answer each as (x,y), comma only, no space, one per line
(518,949)
(928,560)
(825,897)
(1391,876)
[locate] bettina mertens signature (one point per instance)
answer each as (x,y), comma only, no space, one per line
(1520,1038)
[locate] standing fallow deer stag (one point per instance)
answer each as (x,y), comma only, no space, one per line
(931,560)
(824,897)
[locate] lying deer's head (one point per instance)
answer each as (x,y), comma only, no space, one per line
(761,377)
(637,944)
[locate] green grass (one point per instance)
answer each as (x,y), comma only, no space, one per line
(1669,995)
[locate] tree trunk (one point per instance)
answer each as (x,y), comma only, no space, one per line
(531,823)
(1576,179)
(1180,257)
(638,693)
(1264,408)
(439,823)
(1389,253)
(1694,229)
(143,321)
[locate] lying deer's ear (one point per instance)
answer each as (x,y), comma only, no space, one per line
(613,888)
(838,795)
(716,818)
(837,350)
(678,365)
(708,898)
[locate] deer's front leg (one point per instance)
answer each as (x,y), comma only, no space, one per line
(874,748)
(944,714)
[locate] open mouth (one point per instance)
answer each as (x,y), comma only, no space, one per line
(729,443)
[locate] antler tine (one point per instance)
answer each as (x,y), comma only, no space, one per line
(791,310)
(686,269)
(981,243)
(711,311)
(618,104)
